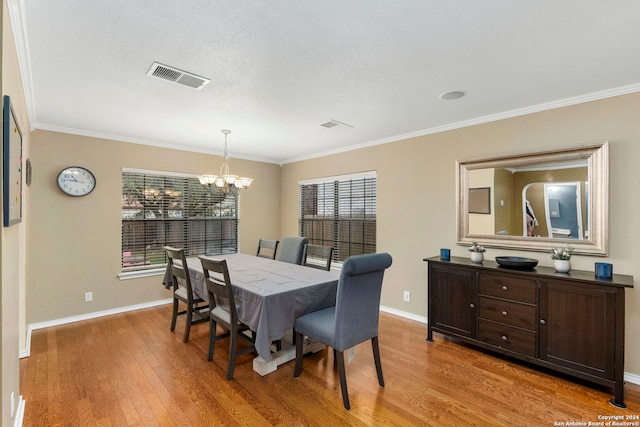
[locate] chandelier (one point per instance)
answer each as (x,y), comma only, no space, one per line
(225,183)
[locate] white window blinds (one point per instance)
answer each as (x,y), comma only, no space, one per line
(160,210)
(340,212)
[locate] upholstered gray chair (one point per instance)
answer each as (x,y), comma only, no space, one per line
(223,312)
(183,292)
(267,248)
(320,254)
(291,249)
(354,318)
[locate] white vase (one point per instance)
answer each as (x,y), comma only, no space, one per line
(562,265)
(477,257)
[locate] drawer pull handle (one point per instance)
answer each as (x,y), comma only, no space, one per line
(505,288)
(504,312)
(504,338)
(472,305)
(542,321)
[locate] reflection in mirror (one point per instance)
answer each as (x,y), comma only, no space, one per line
(564,210)
(536,201)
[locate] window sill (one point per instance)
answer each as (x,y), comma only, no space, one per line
(142,273)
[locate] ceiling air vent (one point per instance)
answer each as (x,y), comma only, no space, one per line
(175,75)
(329,125)
(333,123)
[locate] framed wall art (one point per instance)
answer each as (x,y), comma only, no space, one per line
(11,165)
(480,200)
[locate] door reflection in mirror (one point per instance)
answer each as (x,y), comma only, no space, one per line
(560,207)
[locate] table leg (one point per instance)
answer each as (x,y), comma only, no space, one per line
(286,354)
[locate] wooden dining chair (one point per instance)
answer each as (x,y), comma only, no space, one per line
(183,292)
(292,248)
(320,257)
(267,248)
(354,318)
(223,312)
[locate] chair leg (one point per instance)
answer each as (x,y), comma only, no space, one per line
(174,315)
(343,379)
(232,353)
(299,343)
(376,358)
(212,338)
(187,328)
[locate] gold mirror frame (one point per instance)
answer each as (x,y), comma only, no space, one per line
(597,158)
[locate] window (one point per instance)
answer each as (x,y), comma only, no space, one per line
(340,212)
(160,209)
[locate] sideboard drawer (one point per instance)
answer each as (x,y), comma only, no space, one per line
(508,338)
(507,287)
(507,312)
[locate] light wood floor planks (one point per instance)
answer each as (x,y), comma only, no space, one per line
(130,370)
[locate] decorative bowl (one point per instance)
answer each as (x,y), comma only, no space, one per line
(516,262)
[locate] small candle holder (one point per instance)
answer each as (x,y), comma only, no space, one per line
(604,270)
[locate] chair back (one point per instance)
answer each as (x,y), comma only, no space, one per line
(267,248)
(358,299)
(292,248)
(323,254)
(179,272)
(221,299)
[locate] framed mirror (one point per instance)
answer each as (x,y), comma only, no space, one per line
(537,201)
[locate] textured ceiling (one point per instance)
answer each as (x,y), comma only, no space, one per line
(281,68)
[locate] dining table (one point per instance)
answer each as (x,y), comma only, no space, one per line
(270,295)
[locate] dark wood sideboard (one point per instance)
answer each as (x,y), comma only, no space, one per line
(571,323)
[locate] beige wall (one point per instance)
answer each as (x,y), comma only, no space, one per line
(75,242)
(417,202)
(13,239)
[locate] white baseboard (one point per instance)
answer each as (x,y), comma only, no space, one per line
(19,413)
(632,378)
(65,320)
(404,314)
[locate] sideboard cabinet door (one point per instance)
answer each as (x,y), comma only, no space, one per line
(578,327)
(453,301)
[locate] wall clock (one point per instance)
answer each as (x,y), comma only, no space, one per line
(76,181)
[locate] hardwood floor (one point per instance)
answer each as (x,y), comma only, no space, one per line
(129,369)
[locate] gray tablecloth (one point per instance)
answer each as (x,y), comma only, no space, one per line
(270,294)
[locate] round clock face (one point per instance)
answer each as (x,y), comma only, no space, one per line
(76,181)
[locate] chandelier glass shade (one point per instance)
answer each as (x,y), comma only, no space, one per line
(225,183)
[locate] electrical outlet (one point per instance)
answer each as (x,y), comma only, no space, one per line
(407,296)
(88,296)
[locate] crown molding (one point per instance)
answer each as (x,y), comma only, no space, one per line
(595,96)
(18,24)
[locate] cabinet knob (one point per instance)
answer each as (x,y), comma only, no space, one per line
(505,312)
(542,321)
(505,288)
(472,305)
(504,338)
